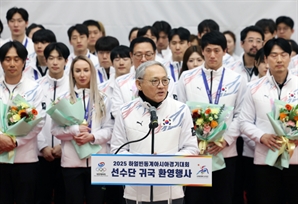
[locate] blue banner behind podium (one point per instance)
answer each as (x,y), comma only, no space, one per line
(110,169)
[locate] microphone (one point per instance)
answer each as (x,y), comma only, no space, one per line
(153,118)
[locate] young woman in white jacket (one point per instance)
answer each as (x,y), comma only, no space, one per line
(76,171)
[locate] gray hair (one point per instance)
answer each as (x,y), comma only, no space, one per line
(140,72)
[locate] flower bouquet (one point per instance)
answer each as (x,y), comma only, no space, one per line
(17,120)
(284,120)
(64,113)
(209,125)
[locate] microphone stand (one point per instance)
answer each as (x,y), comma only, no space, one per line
(152,138)
(152,126)
(134,142)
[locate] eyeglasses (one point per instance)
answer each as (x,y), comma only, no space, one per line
(251,41)
(156,82)
(147,55)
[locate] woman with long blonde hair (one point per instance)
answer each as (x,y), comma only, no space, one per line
(96,131)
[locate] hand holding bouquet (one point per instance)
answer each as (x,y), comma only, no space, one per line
(284,120)
(17,120)
(209,125)
(64,113)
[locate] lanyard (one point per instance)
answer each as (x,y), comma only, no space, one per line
(100,76)
(26,42)
(218,89)
(87,114)
(35,74)
(173,72)
(54,98)
(40,70)
(86,110)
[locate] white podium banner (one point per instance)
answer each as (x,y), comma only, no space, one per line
(110,169)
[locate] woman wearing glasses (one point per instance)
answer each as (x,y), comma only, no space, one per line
(174,138)
(96,131)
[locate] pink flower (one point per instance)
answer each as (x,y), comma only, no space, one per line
(291,123)
(206,129)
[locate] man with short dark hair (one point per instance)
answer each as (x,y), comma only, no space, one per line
(252,39)
(150,32)
(163,29)
(284,27)
(268,27)
(17,20)
(142,49)
(78,37)
(31,29)
(95,33)
(207,26)
(103,47)
(55,85)
(122,63)
(277,84)
(36,66)
(178,43)
(213,83)
(18,180)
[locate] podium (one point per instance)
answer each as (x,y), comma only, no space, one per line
(151,178)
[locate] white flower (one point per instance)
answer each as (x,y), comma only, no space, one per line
(24,105)
(214,110)
(199,121)
(28,110)
(16,118)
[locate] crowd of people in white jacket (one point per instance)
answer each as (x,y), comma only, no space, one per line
(163,67)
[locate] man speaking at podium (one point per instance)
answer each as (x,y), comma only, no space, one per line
(172,124)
